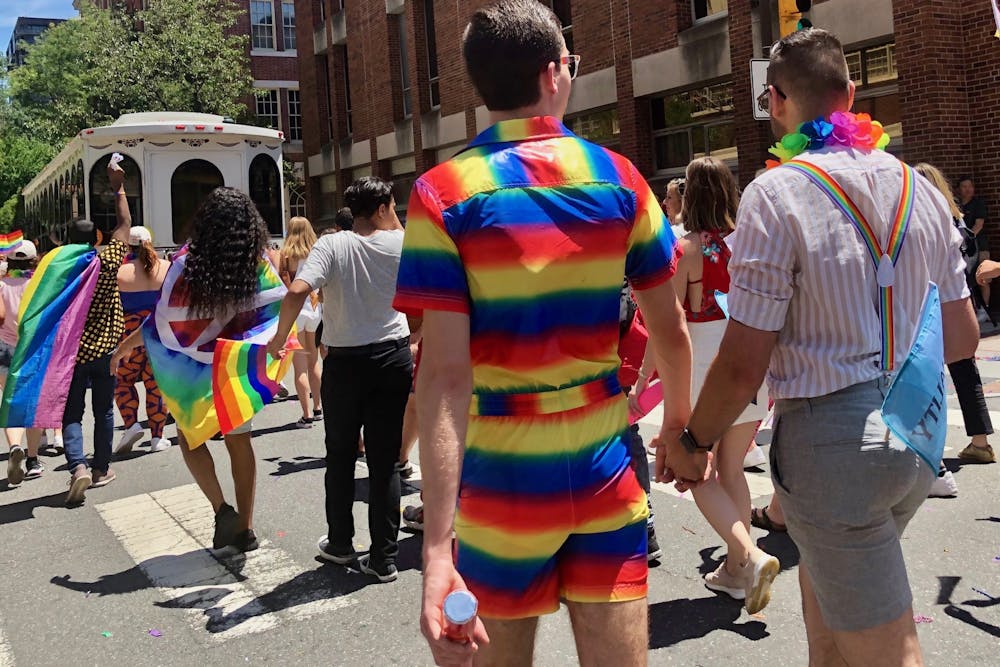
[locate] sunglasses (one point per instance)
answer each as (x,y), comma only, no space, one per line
(764,99)
(573,63)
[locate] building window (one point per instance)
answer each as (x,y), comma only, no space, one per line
(190,183)
(268,114)
(402,186)
(564,13)
(874,72)
(693,124)
(404,65)
(288,24)
(705,8)
(262,24)
(874,65)
(294,115)
(347,94)
(102,198)
(600,127)
(265,191)
(432,59)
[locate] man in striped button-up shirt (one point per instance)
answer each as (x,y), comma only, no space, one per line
(804,309)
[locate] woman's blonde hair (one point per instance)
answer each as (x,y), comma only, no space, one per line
(300,240)
(937,179)
(711,197)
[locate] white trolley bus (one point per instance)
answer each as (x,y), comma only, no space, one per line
(172,161)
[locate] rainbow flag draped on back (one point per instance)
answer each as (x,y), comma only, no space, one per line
(181,348)
(50,322)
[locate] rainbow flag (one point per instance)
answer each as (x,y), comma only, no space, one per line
(50,322)
(244,381)
(181,348)
(9,242)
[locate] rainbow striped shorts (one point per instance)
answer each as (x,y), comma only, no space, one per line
(549,506)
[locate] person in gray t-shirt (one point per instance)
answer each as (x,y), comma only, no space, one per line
(367,372)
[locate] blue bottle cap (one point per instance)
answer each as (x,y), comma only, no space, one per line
(460,607)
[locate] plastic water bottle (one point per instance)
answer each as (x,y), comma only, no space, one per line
(460,609)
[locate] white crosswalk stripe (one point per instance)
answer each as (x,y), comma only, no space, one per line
(168,533)
(6,655)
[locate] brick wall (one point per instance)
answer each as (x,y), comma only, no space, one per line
(753,137)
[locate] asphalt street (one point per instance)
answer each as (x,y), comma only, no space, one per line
(126,579)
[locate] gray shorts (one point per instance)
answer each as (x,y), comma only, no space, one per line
(848,493)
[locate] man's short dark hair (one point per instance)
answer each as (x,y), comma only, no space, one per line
(344,220)
(506,47)
(366,194)
(810,68)
(83,231)
(965,178)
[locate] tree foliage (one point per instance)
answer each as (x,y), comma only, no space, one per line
(174,55)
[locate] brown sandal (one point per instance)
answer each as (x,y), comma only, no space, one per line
(760,519)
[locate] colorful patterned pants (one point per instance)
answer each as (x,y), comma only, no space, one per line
(137,369)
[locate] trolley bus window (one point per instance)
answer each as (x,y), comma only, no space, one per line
(102,198)
(191,183)
(265,191)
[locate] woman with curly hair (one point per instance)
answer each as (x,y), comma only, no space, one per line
(222,285)
(300,240)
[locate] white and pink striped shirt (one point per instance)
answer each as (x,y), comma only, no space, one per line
(800,268)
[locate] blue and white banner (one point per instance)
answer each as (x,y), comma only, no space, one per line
(915,408)
(722,299)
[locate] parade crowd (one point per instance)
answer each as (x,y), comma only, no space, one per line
(496,332)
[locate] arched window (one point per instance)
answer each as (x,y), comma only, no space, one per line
(102,199)
(265,191)
(191,183)
(81,208)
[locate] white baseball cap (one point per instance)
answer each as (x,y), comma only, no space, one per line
(24,250)
(139,235)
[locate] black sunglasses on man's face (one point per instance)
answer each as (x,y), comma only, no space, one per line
(764,99)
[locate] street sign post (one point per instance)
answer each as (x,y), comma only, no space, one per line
(758,85)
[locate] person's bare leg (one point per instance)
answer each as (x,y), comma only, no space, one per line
(300,365)
(34,440)
(409,428)
(823,650)
(14,436)
(199,461)
(610,633)
(244,467)
(313,365)
(892,644)
(512,643)
(731,452)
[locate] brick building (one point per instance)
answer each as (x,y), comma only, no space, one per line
(26,30)
(661,82)
(274,64)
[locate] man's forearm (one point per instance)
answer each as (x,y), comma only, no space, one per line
(123,215)
(442,413)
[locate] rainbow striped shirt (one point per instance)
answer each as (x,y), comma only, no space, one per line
(529,231)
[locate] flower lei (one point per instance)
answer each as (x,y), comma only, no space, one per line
(843,129)
(20,273)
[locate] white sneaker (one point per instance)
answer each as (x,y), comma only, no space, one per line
(944,486)
(129,438)
(754,458)
(159,445)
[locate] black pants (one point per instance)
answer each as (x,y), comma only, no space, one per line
(366,388)
(969,387)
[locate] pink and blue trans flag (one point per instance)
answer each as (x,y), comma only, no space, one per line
(915,408)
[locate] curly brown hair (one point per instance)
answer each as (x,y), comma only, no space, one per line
(227,243)
(711,197)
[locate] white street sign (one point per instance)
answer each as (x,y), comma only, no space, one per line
(758,85)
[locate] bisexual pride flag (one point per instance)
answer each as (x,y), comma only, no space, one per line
(915,409)
(50,322)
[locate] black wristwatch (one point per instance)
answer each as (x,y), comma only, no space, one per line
(691,445)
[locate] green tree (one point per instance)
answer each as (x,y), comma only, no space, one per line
(175,55)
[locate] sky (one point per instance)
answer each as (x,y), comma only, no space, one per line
(49,9)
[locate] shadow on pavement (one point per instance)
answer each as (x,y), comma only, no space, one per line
(297,464)
(25,509)
(701,617)
(946,589)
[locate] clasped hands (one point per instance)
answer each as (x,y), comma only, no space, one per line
(675,464)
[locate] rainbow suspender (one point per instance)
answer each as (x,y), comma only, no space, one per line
(885,260)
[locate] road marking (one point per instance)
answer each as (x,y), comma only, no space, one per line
(168,533)
(6,655)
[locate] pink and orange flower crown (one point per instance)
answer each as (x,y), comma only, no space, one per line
(843,129)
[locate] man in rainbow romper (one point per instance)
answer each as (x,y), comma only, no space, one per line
(513,257)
